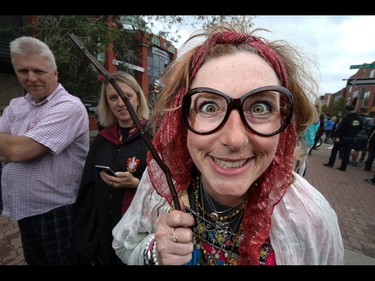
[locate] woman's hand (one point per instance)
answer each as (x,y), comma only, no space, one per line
(122,180)
(174,238)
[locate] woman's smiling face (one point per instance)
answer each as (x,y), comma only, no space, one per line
(231,159)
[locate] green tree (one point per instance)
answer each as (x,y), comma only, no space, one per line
(76,72)
(340,106)
(324,109)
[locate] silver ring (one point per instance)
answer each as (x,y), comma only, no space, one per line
(111,183)
(174,239)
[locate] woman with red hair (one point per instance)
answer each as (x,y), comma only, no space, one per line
(227,132)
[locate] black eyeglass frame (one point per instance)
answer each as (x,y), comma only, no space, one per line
(236,104)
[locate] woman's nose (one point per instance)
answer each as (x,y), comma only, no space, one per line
(236,135)
(120,102)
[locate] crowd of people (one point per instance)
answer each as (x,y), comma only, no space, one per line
(234,124)
(353,136)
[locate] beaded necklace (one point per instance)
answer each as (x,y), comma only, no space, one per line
(215,214)
(218,236)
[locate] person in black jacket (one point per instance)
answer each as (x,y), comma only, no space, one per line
(361,142)
(102,198)
(345,137)
(320,132)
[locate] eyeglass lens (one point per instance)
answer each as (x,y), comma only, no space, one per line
(264,112)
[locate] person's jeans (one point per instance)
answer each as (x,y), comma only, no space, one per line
(345,143)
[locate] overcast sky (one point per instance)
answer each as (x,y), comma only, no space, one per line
(333,42)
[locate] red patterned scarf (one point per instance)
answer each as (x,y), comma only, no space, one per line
(170,143)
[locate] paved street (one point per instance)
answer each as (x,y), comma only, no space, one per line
(11,252)
(351,197)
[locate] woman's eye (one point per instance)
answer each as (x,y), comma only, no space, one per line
(260,108)
(208,107)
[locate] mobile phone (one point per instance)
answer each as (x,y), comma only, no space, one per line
(107,169)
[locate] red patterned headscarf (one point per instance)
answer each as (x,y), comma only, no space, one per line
(170,143)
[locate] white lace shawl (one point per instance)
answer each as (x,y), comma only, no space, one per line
(304,227)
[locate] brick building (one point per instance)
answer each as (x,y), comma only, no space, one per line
(156,53)
(359,90)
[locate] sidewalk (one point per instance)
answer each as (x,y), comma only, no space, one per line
(351,197)
(353,200)
(11,252)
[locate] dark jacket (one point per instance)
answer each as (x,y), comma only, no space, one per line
(350,125)
(367,124)
(322,126)
(99,207)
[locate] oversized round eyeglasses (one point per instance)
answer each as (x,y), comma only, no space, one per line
(265,111)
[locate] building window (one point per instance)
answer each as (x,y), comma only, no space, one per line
(366,97)
(158,60)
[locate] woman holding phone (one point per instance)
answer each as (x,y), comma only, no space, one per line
(104,197)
